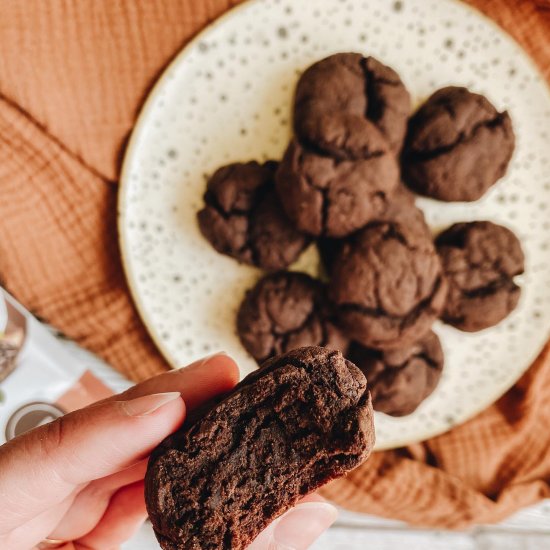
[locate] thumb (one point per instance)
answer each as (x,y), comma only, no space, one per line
(45,465)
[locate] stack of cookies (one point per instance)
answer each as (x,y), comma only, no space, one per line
(345,183)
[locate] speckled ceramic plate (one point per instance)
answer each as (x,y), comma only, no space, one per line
(227,97)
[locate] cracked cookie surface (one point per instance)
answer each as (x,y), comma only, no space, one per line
(399,380)
(284,311)
(243,217)
(480,260)
(325,196)
(401,209)
(457,146)
(340,98)
(387,285)
(298,422)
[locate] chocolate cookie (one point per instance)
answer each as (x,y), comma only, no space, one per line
(480,260)
(284,311)
(300,421)
(326,196)
(243,217)
(400,379)
(388,286)
(401,209)
(339,98)
(457,146)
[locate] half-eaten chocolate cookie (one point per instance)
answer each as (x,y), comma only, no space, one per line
(300,421)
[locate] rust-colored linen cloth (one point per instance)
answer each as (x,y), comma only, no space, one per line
(72,78)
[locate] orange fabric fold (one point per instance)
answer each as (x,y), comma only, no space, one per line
(72,79)
(59,249)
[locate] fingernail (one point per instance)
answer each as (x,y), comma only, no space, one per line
(148,404)
(204,360)
(301,526)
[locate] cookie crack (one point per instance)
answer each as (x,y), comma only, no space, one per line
(489,289)
(428,360)
(489,265)
(402,320)
(463,137)
(385,81)
(393,233)
(394,370)
(447,106)
(211,201)
(374,104)
(345,153)
(325,203)
(485,268)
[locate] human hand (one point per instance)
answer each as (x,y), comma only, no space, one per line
(80,478)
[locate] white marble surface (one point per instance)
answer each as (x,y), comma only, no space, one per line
(527,530)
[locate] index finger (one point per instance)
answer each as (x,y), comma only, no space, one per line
(42,467)
(198,382)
